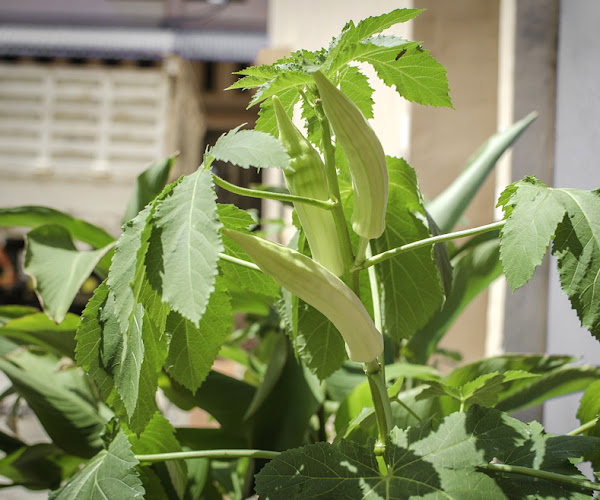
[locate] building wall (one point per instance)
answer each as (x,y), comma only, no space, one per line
(576,165)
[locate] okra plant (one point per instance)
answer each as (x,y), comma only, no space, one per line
(334,396)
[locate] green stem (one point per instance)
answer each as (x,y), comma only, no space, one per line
(409,410)
(429,241)
(361,250)
(255,193)
(239,262)
(381,403)
(218,454)
(581,429)
(334,192)
(542,474)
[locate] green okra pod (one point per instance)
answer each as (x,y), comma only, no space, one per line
(307,178)
(366,159)
(320,288)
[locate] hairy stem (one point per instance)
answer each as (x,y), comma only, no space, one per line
(334,192)
(218,454)
(256,193)
(581,429)
(381,404)
(429,241)
(542,474)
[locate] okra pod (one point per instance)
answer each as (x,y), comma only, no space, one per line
(307,178)
(366,159)
(320,288)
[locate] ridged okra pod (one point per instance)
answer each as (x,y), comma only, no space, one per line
(318,287)
(366,159)
(306,177)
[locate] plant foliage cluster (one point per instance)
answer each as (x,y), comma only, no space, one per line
(175,278)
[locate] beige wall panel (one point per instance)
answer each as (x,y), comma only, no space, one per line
(462,35)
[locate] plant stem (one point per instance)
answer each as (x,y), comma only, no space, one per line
(429,241)
(381,402)
(542,474)
(361,250)
(581,429)
(256,193)
(218,454)
(239,262)
(334,193)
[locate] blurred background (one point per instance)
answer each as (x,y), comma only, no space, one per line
(93,91)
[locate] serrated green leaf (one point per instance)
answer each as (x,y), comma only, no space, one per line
(589,409)
(318,342)
(577,248)
(89,340)
(283,82)
(411,285)
(58,283)
(37,329)
(110,474)
(186,245)
(536,215)
(233,217)
(127,268)
(536,212)
(267,121)
(366,28)
(71,420)
(192,350)
(250,148)
(439,464)
(356,86)
(484,390)
(417,76)
(148,186)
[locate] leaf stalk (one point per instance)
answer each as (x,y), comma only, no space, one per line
(217,454)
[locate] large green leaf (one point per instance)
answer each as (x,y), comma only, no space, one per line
(590,408)
(185,250)
(10,312)
(69,418)
(34,216)
(410,282)
(416,75)
(473,271)
(250,148)
(110,474)
(447,208)
(425,462)
(37,329)
(89,339)
(58,268)
(148,185)
(536,216)
(193,350)
(355,85)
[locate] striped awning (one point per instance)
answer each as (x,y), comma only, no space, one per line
(129,43)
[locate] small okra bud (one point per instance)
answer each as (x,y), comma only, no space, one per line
(307,178)
(366,159)
(320,288)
